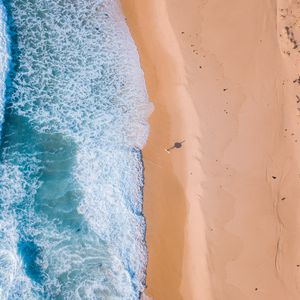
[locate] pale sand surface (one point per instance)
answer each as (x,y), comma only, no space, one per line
(222,211)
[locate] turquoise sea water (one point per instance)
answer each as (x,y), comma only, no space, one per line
(73,115)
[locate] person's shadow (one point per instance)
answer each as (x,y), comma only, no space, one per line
(176,145)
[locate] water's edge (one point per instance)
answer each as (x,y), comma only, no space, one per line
(72,174)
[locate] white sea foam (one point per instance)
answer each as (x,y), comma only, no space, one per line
(11,267)
(4,57)
(80,92)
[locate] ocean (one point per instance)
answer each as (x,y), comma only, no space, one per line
(73,115)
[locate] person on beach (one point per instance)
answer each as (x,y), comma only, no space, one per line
(176,145)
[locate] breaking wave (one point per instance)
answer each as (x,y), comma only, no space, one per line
(71,173)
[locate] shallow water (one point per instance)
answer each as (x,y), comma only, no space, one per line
(71,175)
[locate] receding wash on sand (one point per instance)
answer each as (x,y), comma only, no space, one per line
(106,196)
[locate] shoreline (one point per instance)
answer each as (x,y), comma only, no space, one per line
(171,274)
(222,210)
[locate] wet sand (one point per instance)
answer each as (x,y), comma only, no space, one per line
(222,211)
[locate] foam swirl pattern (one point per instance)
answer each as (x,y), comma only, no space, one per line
(71,173)
(4,60)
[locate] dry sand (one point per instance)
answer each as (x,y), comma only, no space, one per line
(223,210)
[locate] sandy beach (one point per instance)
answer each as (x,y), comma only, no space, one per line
(222,211)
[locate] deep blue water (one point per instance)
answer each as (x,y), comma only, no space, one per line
(73,118)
